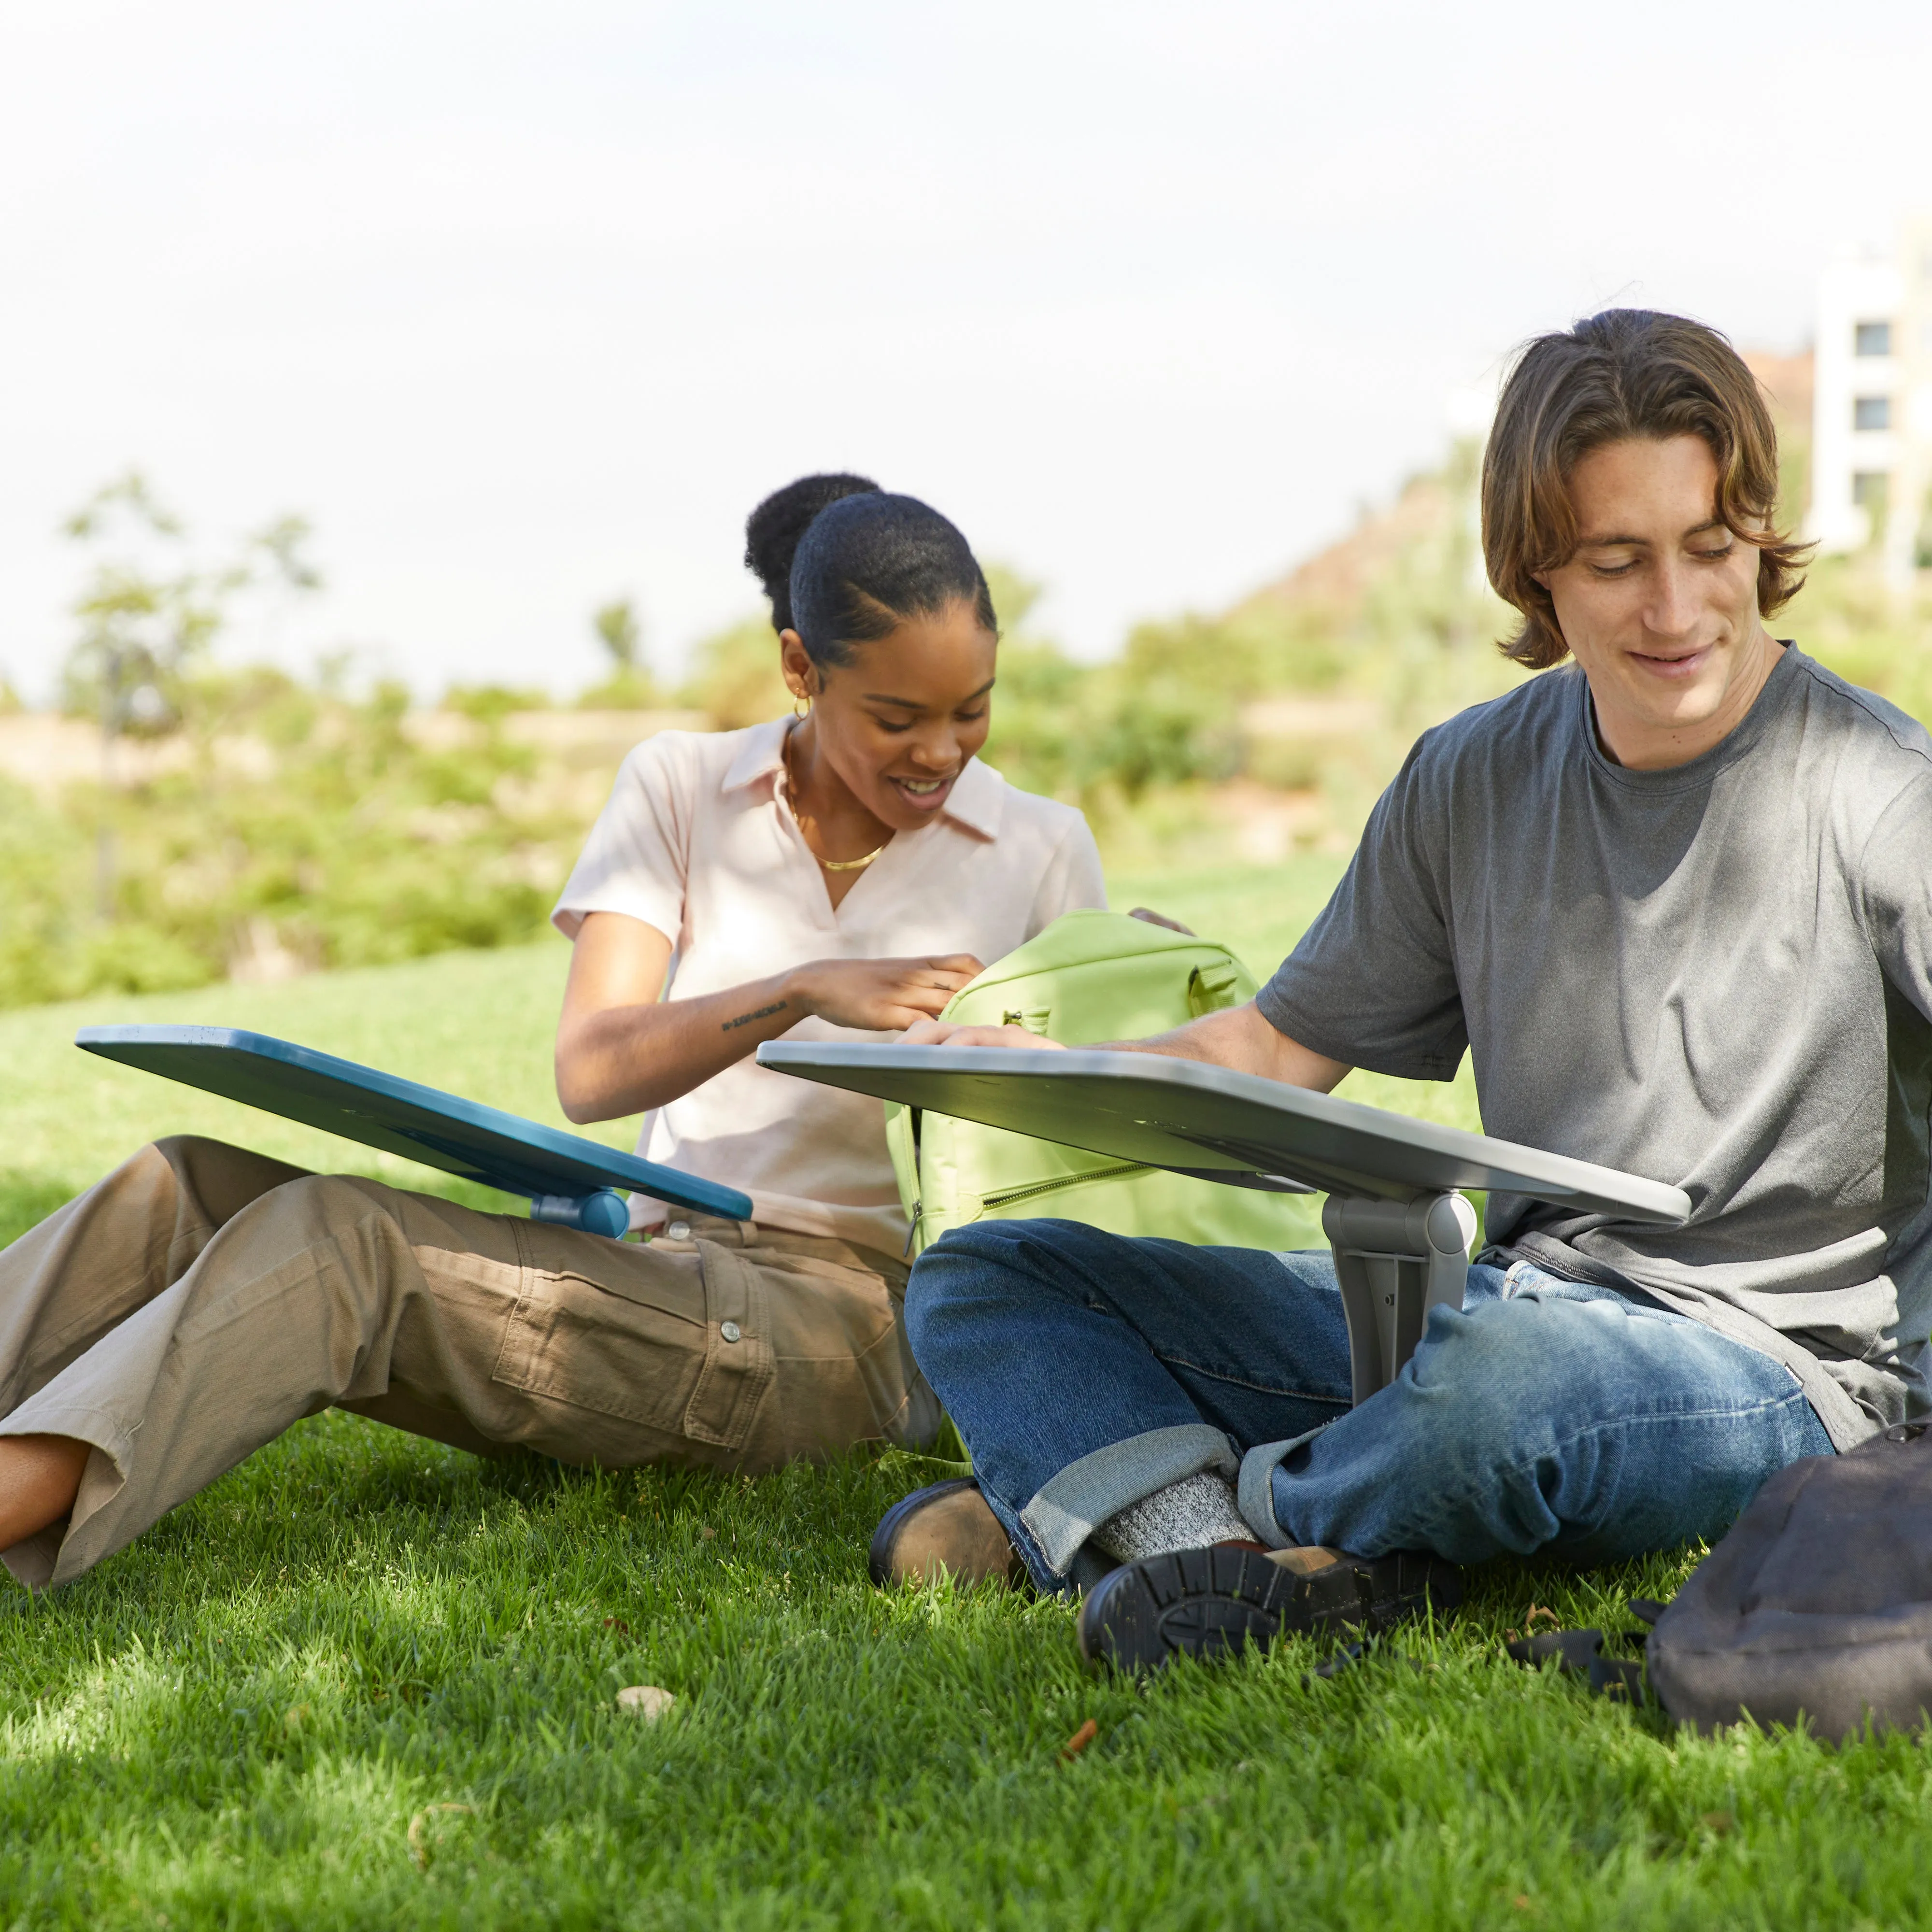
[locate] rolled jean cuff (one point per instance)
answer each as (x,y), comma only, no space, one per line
(1255,1493)
(1067,1510)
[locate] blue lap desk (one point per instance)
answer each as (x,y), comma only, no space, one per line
(568,1179)
(1395,1218)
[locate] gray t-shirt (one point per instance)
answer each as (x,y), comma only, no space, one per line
(1718,976)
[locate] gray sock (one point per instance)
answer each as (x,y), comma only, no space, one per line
(1187,1515)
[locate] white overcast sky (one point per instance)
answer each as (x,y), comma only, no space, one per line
(525,306)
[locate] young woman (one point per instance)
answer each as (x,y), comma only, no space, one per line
(840,872)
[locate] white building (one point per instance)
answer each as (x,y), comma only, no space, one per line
(1871,435)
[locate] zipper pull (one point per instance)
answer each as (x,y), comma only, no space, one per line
(918,1209)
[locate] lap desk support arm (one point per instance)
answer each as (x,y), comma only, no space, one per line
(568,1179)
(1397,1220)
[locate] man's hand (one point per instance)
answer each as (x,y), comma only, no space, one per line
(947,1033)
(879,995)
(1238,1038)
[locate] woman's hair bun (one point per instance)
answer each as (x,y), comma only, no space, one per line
(774,530)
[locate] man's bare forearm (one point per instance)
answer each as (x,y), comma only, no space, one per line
(1241,1039)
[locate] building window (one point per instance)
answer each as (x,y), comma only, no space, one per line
(1872,338)
(1871,412)
(1869,489)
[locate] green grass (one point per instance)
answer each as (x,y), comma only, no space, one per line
(367,1681)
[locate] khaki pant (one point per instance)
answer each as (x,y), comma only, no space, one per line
(200,1299)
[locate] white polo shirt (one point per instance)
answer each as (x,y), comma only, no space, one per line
(699,841)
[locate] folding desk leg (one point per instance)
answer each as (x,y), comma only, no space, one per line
(1396,1260)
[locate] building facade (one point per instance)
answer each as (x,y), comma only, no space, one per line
(1871,435)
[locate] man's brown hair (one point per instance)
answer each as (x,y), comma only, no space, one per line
(1627,373)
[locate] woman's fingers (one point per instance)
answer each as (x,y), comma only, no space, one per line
(931,1000)
(953,971)
(943,1033)
(1008,1036)
(887,995)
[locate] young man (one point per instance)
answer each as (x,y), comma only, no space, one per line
(1676,900)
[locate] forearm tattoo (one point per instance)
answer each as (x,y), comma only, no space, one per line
(763,1013)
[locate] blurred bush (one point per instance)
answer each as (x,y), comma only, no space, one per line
(262,827)
(289,830)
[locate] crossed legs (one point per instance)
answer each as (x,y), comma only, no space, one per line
(1087,1371)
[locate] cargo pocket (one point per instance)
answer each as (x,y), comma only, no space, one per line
(738,1366)
(685,1353)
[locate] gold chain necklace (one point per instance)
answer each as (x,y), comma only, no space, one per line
(853,865)
(830,865)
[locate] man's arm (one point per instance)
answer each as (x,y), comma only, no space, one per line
(1239,1038)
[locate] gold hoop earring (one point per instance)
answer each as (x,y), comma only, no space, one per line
(801,705)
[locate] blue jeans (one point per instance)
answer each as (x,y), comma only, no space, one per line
(1086,1370)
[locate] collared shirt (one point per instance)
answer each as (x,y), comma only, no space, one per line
(699,841)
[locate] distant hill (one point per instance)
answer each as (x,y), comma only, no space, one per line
(1335,582)
(1333,585)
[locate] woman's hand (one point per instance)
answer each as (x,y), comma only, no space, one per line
(949,1033)
(622,1047)
(879,995)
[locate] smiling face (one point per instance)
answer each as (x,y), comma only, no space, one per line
(1659,602)
(898,722)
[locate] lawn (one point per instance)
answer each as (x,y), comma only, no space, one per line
(367,1681)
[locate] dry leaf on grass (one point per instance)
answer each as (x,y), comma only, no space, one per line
(1078,1742)
(418,1850)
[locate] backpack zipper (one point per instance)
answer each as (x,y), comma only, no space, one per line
(1038,1187)
(1013,1194)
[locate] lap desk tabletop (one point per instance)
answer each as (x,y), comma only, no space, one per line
(569,1179)
(1395,1216)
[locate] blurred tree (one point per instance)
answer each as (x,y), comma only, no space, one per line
(735,676)
(147,614)
(1039,701)
(1014,596)
(619,631)
(630,686)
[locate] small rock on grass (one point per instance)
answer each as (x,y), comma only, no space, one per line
(646,1699)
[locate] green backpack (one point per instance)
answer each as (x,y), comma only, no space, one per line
(1089,976)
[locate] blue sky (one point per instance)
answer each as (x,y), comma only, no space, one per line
(525,307)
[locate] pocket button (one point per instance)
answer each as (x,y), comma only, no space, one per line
(729,1330)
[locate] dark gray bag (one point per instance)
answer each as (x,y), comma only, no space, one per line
(1817,1603)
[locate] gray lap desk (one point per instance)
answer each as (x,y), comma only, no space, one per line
(569,1179)
(1395,1218)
